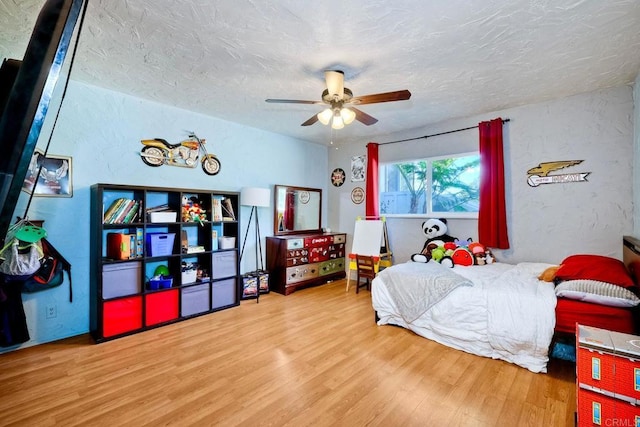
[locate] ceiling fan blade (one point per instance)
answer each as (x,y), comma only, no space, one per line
(292,101)
(363,117)
(335,82)
(399,95)
(311,120)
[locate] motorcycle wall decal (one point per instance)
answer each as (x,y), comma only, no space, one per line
(157,152)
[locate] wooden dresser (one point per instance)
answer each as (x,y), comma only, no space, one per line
(300,260)
(608,377)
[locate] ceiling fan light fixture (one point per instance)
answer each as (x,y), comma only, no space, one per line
(325,116)
(347,115)
(337,122)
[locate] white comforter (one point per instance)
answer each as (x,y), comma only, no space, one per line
(507,314)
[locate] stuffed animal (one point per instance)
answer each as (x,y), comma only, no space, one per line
(435,230)
(462,256)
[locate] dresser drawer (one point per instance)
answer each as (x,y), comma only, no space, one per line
(291,262)
(292,253)
(331,266)
(318,241)
(295,243)
(302,273)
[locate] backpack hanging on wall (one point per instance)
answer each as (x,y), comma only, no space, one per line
(51,271)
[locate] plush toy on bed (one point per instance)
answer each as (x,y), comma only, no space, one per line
(435,230)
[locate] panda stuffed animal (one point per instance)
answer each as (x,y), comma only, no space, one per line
(435,230)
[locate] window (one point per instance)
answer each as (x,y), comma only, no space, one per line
(443,186)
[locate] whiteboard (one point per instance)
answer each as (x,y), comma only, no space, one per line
(367,237)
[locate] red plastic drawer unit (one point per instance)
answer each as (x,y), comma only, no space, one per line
(596,368)
(161,307)
(595,409)
(608,377)
(627,414)
(120,316)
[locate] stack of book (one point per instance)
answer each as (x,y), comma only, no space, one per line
(216,208)
(122,211)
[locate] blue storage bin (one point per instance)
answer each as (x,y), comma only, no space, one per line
(160,244)
(194,299)
(223,293)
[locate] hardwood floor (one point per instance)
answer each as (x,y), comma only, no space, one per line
(315,357)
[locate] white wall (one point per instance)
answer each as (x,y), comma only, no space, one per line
(101,130)
(548,222)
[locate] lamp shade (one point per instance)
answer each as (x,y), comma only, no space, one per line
(347,115)
(325,116)
(253,196)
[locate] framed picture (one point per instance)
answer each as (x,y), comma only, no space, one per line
(358,168)
(48,176)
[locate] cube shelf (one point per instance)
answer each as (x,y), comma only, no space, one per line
(168,234)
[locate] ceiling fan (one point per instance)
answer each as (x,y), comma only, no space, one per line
(340,101)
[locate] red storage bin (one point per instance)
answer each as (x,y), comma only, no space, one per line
(122,315)
(161,307)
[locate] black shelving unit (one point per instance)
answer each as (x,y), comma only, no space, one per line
(200,254)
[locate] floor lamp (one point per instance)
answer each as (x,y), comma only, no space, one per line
(256,198)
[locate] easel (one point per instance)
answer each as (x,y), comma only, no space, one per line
(382,255)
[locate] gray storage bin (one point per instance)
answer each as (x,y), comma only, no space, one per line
(223,293)
(194,299)
(223,264)
(121,279)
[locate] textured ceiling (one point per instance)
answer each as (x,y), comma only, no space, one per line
(458,58)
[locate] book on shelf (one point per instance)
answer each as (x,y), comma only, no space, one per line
(228,209)
(214,240)
(132,214)
(216,209)
(139,242)
(111,210)
(122,211)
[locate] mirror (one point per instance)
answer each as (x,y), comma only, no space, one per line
(297,210)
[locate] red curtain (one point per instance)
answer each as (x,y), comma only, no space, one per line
(372,205)
(492,217)
(289,211)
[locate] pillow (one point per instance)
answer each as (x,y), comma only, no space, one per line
(594,267)
(597,292)
(549,274)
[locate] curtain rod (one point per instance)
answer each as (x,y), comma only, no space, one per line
(436,134)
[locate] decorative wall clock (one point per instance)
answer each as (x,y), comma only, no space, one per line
(357,195)
(337,177)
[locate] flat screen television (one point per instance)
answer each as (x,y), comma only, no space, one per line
(26,88)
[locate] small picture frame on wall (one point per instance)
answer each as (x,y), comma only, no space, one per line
(358,168)
(48,176)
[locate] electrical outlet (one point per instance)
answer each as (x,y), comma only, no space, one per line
(52,311)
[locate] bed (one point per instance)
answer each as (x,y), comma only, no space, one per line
(481,311)
(504,311)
